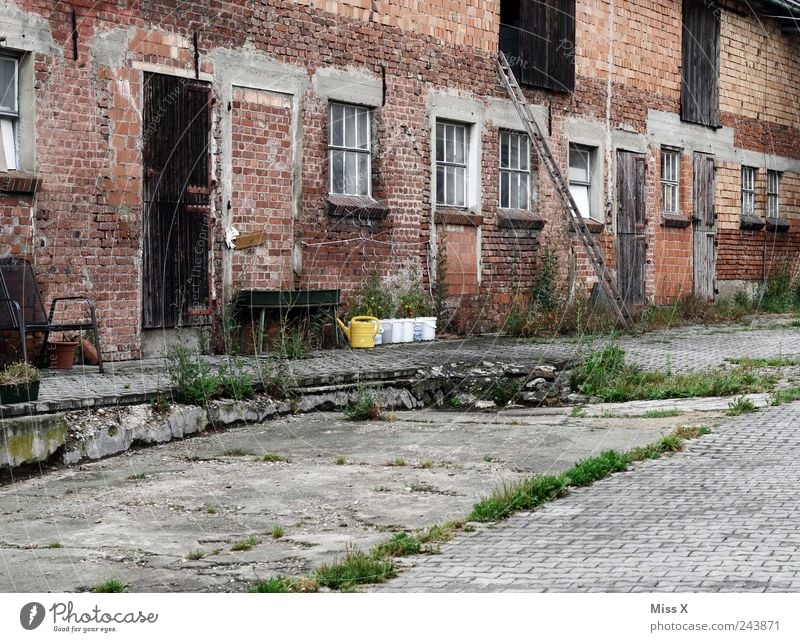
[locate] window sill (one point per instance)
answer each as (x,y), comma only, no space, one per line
(775,224)
(751,222)
(519,219)
(362,206)
(674,219)
(595,227)
(17,182)
(455,216)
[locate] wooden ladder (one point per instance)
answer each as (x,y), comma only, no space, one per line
(562,189)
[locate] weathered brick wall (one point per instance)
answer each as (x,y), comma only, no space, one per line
(261,199)
(85,227)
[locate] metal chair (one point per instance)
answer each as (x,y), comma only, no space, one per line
(22,308)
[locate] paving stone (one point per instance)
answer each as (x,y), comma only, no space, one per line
(720,516)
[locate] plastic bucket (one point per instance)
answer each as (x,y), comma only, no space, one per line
(418,329)
(387,325)
(408,330)
(427,328)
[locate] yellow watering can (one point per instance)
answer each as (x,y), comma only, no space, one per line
(362,331)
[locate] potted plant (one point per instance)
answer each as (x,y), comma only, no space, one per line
(62,353)
(19,383)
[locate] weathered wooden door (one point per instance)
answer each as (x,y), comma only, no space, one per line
(175,139)
(704,225)
(631,226)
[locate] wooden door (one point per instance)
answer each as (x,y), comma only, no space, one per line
(631,227)
(704,226)
(175,139)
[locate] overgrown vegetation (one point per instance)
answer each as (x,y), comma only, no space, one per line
(546,311)
(605,374)
(784,395)
(277,379)
(110,586)
(191,376)
(196,555)
(364,406)
(274,457)
(401,296)
(356,567)
(19,374)
(740,406)
(662,414)
(245,544)
(277,532)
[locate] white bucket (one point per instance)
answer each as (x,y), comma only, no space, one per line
(387,330)
(427,328)
(408,329)
(418,329)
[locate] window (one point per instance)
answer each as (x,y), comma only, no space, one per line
(9,113)
(580,177)
(748,191)
(773,194)
(670,171)
(515,175)
(538,39)
(451,164)
(349,150)
(700,68)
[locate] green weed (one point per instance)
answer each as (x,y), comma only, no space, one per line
(110,586)
(740,406)
(365,406)
(245,544)
(355,568)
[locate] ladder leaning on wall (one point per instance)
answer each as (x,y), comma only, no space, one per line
(605,277)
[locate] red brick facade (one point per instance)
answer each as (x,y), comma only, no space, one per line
(269,65)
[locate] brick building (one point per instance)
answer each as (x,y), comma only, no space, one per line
(338,138)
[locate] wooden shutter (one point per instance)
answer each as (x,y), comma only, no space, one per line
(700,72)
(547,44)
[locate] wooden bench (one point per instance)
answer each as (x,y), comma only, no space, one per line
(284,301)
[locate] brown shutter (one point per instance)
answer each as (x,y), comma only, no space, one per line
(700,73)
(538,37)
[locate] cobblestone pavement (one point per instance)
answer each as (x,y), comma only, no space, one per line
(721,516)
(682,349)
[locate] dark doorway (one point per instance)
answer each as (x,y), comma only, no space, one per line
(175,139)
(631,226)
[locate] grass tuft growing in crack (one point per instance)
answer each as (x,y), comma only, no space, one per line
(740,406)
(245,544)
(110,586)
(535,491)
(785,395)
(353,569)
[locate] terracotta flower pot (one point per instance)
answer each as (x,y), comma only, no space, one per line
(89,353)
(64,354)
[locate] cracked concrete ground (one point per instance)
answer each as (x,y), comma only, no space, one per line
(137,516)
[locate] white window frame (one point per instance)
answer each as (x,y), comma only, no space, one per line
(670,180)
(450,164)
(748,190)
(9,122)
(773,193)
(359,149)
(515,174)
(578,185)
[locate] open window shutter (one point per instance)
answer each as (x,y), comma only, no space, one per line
(700,81)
